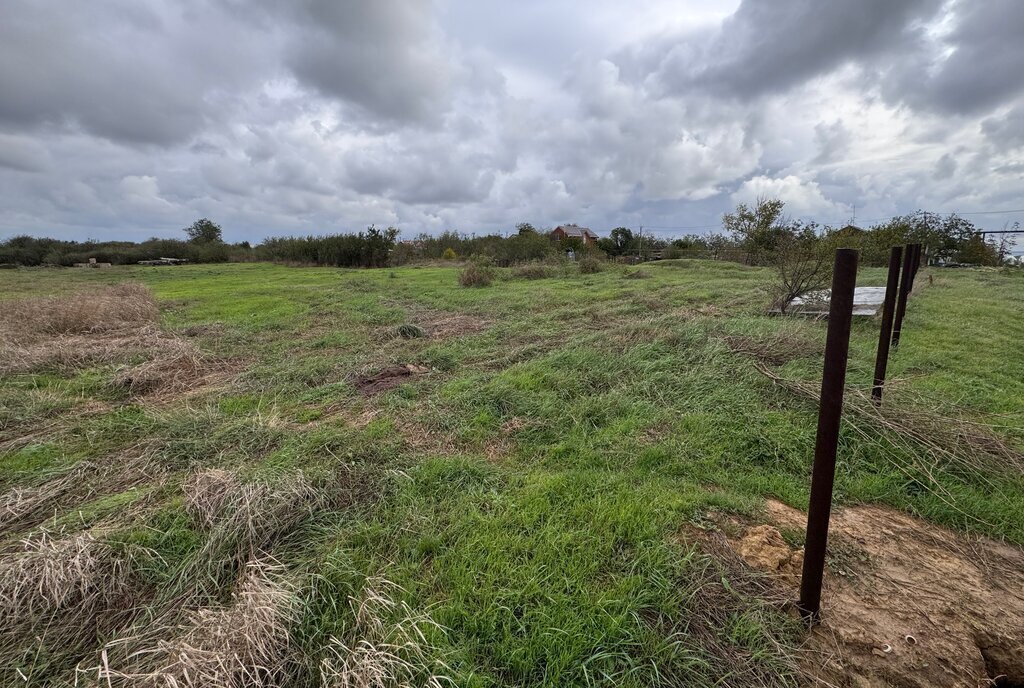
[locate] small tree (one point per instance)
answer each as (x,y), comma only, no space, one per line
(203,231)
(449,254)
(757,229)
(801,263)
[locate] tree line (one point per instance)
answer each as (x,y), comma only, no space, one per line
(758,234)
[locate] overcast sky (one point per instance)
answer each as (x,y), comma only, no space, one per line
(132,118)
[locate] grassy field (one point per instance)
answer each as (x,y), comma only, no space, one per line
(512,508)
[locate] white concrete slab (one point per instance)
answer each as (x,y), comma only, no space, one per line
(867,301)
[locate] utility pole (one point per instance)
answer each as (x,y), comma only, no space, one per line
(640,249)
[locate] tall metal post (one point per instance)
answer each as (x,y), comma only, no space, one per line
(885,336)
(901,301)
(833,381)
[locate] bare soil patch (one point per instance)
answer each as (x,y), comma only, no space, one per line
(917,605)
(388,378)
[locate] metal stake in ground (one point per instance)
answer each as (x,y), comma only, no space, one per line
(833,381)
(916,264)
(885,336)
(901,302)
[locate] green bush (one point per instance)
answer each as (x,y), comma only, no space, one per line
(479,273)
(589,265)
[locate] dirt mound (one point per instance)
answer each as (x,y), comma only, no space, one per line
(388,378)
(919,606)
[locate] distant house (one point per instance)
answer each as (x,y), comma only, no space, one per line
(574,232)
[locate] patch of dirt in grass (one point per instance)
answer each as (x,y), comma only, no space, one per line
(921,606)
(639,274)
(388,378)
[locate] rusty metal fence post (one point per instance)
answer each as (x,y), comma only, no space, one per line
(905,285)
(833,381)
(885,336)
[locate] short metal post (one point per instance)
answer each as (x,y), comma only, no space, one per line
(901,302)
(885,336)
(833,381)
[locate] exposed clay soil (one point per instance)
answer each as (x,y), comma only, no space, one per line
(389,377)
(905,603)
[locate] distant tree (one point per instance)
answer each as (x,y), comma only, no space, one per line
(757,229)
(204,231)
(622,240)
(525,228)
(449,254)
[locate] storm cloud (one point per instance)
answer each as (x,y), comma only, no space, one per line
(130,118)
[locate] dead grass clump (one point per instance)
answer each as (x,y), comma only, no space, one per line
(177,367)
(206,492)
(111,325)
(27,506)
(104,310)
(380,652)
(637,274)
(776,350)
(68,591)
(245,643)
(250,517)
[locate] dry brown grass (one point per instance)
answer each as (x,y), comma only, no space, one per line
(27,506)
(777,349)
(112,325)
(205,492)
(382,653)
(104,310)
(61,594)
(243,644)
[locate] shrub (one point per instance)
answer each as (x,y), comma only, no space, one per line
(532,271)
(479,273)
(589,265)
(449,254)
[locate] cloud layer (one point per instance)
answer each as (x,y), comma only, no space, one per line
(130,118)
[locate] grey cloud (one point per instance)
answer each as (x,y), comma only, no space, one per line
(945,167)
(771,46)
(1006,131)
(120,70)
(833,140)
(979,65)
(23,154)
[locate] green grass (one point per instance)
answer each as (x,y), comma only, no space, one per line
(530,493)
